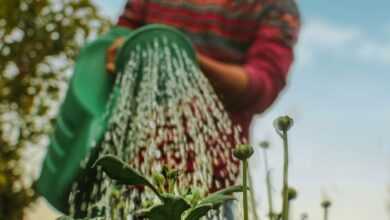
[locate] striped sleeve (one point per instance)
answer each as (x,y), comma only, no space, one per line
(270,56)
(133,14)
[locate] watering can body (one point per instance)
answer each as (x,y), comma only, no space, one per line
(82,119)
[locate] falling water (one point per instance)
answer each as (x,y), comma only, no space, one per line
(167,115)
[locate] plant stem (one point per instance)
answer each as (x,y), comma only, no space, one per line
(253,200)
(326,213)
(269,186)
(285,207)
(245,184)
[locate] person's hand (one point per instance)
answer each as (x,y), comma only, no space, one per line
(111,54)
(230,81)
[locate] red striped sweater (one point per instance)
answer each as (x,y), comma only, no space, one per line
(257,34)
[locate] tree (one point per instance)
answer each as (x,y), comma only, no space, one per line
(39,39)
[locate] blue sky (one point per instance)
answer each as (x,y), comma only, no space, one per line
(339,95)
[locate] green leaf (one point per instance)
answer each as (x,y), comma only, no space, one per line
(216,199)
(70,218)
(198,212)
(172,208)
(230,190)
(213,201)
(123,173)
(224,192)
(64,218)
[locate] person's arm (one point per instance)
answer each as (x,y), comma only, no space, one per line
(132,18)
(270,57)
(255,85)
(229,80)
(133,14)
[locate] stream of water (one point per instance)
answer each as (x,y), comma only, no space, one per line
(167,114)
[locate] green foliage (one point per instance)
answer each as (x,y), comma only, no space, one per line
(123,173)
(64,218)
(38,41)
(174,207)
(199,211)
(212,201)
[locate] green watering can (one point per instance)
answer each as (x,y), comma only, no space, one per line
(81,121)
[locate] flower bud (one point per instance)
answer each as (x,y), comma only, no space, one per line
(173,175)
(243,151)
(158,179)
(264,144)
(283,123)
(195,196)
(164,171)
(326,204)
(190,199)
(291,194)
(147,203)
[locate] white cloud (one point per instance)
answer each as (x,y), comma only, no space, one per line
(319,36)
(324,34)
(374,51)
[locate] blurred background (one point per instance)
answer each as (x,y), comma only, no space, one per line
(338,94)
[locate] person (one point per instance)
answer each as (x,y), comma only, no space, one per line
(244,47)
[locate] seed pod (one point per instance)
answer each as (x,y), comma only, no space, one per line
(283,123)
(243,151)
